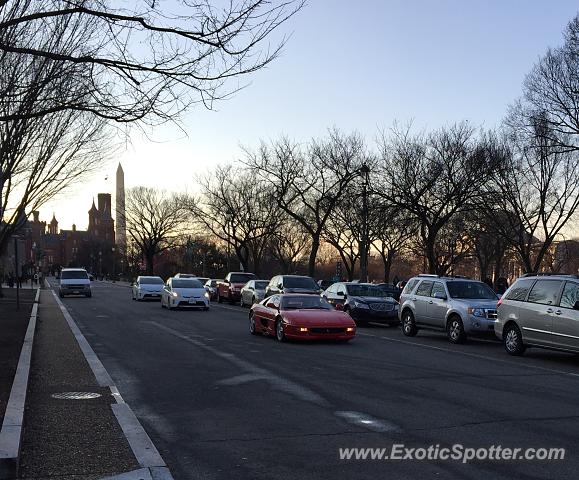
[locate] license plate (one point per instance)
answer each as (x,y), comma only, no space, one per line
(75,292)
(192,300)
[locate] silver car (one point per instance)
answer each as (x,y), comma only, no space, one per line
(253,292)
(458,306)
(542,311)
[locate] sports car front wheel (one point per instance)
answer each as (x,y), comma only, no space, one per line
(279,331)
(252,329)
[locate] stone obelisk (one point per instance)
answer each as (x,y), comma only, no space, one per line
(121,224)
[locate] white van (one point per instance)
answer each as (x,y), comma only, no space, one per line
(74,281)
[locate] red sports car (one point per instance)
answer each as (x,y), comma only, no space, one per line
(303,317)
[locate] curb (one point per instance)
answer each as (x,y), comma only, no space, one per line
(12,426)
(149,458)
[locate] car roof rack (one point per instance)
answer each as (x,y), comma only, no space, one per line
(549,274)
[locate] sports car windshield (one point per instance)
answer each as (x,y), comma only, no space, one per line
(363,290)
(261,285)
(186,283)
(471,290)
(305,302)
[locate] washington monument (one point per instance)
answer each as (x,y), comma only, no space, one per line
(121,224)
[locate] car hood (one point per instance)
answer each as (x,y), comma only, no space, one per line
(373,300)
(477,303)
(311,318)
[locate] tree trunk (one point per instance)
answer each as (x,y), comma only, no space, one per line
(388,259)
(149,259)
(313,255)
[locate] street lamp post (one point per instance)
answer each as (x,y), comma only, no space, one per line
(364,247)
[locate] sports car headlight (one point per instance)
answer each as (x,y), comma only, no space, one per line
(174,294)
(361,305)
(207,295)
(477,312)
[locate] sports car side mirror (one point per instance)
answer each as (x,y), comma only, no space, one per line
(271,305)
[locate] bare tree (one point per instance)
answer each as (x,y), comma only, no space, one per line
(309,182)
(550,94)
(236,207)
(537,191)
(288,244)
(434,179)
(41,157)
(392,230)
(155,221)
(147,59)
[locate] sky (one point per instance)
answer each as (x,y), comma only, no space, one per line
(358,66)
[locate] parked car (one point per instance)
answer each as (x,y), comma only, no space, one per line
(292,284)
(147,288)
(323,284)
(458,306)
(184,275)
(184,292)
(391,290)
(364,302)
(74,281)
(541,311)
(203,280)
(252,292)
(211,287)
(300,317)
(230,288)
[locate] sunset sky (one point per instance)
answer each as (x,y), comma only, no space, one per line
(357,69)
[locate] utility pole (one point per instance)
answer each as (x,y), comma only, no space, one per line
(17,273)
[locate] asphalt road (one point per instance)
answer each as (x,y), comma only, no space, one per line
(221,404)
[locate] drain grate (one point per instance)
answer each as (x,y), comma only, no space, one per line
(76,395)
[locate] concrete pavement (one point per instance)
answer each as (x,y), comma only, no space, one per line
(219,403)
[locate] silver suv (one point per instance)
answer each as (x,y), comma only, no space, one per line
(542,311)
(459,306)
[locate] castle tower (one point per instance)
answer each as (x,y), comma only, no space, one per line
(121,231)
(53,227)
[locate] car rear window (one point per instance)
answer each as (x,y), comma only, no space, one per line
(424,288)
(300,282)
(261,285)
(73,275)
(570,295)
(241,277)
(545,292)
(519,290)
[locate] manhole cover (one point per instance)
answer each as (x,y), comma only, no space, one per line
(76,395)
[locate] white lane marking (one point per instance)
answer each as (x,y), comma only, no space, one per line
(367,421)
(277,382)
(241,379)
(473,355)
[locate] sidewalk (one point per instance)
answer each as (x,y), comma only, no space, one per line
(13,325)
(68,438)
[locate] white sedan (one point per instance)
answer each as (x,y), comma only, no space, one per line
(147,288)
(184,292)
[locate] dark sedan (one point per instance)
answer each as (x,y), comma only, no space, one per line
(364,302)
